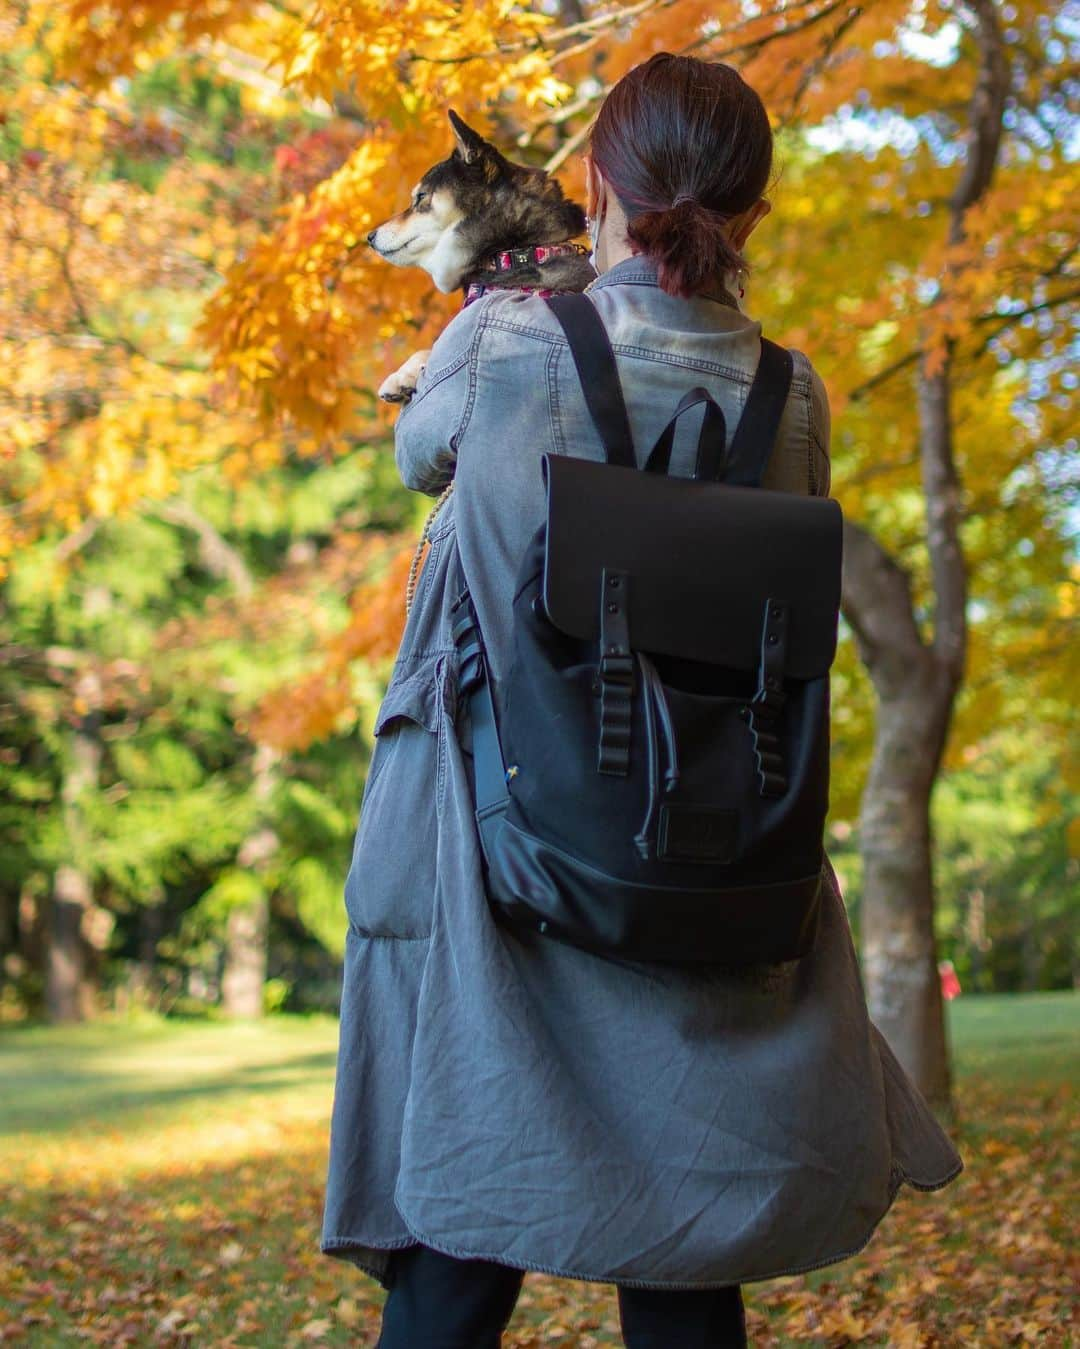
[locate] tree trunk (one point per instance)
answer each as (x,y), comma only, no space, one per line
(915,694)
(899,951)
(140,988)
(916,682)
(975,932)
(245,960)
(247,925)
(70,970)
(1031,955)
(68,994)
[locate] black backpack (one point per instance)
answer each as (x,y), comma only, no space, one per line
(658,785)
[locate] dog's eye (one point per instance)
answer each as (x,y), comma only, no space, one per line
(419,198)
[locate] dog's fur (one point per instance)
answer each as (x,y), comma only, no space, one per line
(474,204)
(470,206)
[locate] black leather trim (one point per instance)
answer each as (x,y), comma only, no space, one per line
(703,560)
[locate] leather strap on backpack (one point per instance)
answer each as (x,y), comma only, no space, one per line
(474,681)
(595,361)
(616,675)
(755,434)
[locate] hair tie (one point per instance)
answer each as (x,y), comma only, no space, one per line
(683,196)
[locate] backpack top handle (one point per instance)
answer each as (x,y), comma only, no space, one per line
(712,438)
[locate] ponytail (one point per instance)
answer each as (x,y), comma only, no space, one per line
(690,244)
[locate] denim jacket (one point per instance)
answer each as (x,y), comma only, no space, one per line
(504,1096)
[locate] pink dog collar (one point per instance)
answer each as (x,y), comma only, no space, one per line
(534,255)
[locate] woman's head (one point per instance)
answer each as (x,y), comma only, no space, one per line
(686,148)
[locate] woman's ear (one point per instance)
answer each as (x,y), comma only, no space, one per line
(742,226)
(594,189)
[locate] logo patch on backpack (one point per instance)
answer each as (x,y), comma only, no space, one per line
(697,834)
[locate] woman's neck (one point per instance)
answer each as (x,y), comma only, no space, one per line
(613,246)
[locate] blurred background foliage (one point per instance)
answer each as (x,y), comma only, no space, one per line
(205,541)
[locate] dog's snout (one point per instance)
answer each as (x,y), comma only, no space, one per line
(371,237)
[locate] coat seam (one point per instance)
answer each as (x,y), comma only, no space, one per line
(810,463)
(442,732)
(736,374)
(426,581)
(470,399)
(554,406)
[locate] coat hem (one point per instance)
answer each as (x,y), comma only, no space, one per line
(344,1248)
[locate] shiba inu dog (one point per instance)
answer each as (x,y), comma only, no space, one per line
(477,221)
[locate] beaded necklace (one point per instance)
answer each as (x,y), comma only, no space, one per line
(414,566)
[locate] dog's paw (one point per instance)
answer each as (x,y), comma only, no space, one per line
(401,385)
(396,390)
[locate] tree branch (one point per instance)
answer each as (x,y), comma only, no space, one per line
(883,375)
(1005,322)
(63,257)
(876,601)
(751,46)
(78,538)
(941,482)
(1011,320)
(569,146)
(218,555)
(985,117)
(941,488)
(815,67)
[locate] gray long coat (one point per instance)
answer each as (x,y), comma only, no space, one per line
(509,1097)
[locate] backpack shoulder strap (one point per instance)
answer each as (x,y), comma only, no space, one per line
(755,434)
(595,361)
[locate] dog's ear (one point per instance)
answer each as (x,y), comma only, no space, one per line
(470,144)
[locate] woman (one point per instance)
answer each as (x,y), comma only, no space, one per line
(505,1102)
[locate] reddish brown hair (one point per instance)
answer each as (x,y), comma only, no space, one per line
(679,128)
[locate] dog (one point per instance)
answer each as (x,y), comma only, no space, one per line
(478,222)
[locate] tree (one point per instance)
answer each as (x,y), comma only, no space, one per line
(915,645)
(917,681)
(922,251)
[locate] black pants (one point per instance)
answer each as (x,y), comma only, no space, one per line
(438,1302)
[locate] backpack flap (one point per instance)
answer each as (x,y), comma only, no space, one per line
(703,560)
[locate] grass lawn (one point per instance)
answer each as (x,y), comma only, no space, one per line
(161,1184)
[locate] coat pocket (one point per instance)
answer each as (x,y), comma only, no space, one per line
(390,888)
